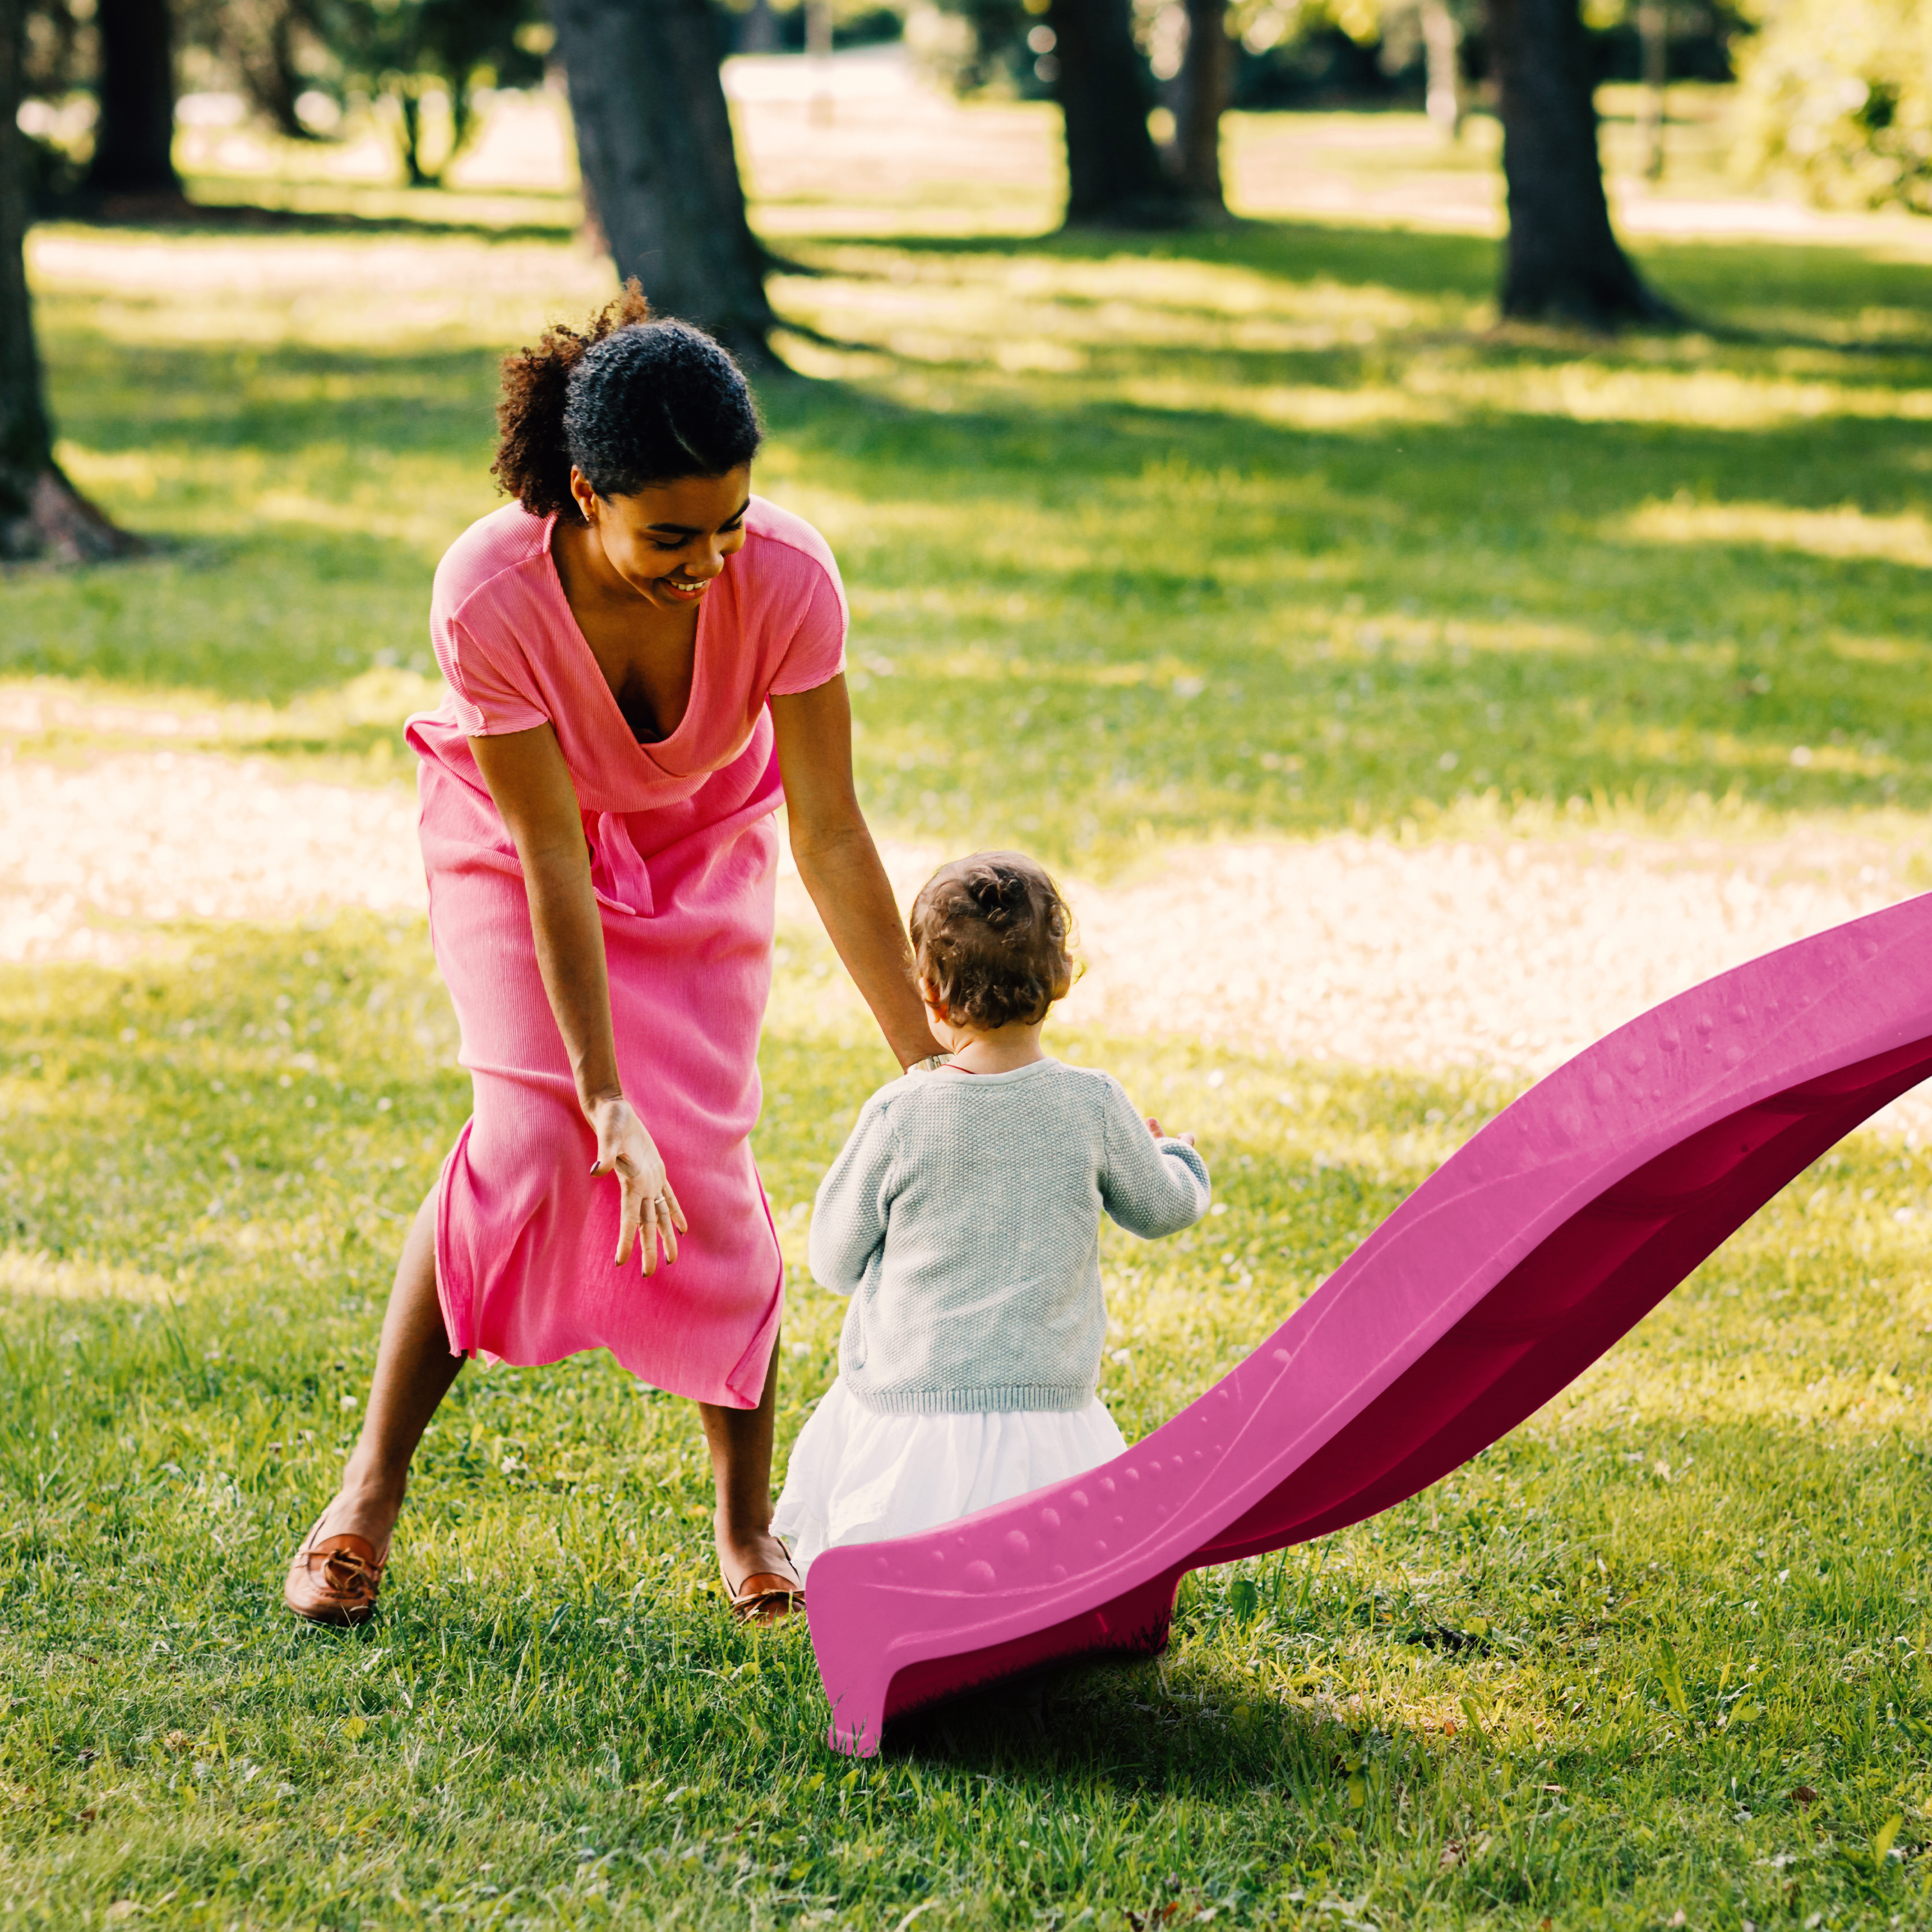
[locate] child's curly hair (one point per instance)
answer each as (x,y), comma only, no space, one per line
(992,934)
(629,401)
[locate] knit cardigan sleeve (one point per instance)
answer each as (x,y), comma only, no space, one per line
(1151,1187)
(848,1218)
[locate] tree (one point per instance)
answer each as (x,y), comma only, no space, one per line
(133,148)
(1202,87)
(1562,262)
(41,512)
(407,49)
(262,42)
(654,142)
(1115,174)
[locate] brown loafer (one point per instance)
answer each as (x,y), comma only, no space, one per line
(765,1597)
(334,1579)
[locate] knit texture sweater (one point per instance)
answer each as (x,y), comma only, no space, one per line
(963,1218)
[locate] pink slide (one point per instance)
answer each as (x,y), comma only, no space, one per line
(1499,1280)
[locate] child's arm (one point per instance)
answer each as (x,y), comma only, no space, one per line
(1151,1187)
(848,1219)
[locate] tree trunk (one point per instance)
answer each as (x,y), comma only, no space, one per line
(40,512)
(1202,87)
(1442,54)
(261,42)
(1114,178)
(1653,32)
(654,143)
(1562,263)
(133,148)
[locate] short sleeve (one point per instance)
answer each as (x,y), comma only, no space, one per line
(816,653)
(489,700)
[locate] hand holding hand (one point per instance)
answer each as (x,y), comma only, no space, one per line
(1159,1133)
(647,1205)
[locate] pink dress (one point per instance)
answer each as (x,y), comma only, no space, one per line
(684,851)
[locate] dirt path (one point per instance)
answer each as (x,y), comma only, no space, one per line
(1506,954)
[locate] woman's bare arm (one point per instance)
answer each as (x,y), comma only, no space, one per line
(528,778)
(840,864)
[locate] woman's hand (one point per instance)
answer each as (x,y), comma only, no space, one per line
(647,1205)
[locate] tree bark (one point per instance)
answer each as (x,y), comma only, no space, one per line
(40,512)
(1114,178)
(1562,263)
(1201,90)
(654,143)
(133,148)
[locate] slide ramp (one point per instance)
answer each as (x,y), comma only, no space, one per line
(1547,1237)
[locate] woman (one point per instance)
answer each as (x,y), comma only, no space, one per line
(643,658)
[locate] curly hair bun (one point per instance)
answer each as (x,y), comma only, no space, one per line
(991,935)
(628,400)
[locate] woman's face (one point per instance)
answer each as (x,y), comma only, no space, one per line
(669,542)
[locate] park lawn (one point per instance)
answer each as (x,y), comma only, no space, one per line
(1666,1648)
(1261,531)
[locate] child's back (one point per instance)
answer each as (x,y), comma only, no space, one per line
(963,1218)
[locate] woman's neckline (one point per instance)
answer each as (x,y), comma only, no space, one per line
(648,746)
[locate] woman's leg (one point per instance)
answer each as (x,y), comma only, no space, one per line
(414,1369)
(740,1441)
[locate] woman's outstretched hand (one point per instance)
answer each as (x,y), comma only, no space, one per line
(648,1205)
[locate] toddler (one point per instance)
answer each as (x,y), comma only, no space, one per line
(963,1218)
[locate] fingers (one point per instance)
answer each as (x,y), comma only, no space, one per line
(648,1231)
(630,1204)
(648,1210)
(1153,1128)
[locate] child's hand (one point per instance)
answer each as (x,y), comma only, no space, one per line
(1159,1133)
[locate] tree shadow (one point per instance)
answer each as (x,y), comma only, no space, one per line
(1721,280)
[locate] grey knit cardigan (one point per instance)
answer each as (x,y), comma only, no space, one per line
(963,1218)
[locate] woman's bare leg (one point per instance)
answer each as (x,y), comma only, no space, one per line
(740,1441)
(414,1369)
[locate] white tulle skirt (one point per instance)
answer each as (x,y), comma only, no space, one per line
(857,1477)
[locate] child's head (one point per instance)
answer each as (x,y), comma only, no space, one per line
(990,934)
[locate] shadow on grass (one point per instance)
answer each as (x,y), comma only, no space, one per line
(1722,281)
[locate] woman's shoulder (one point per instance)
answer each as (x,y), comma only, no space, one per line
(787,545)
(507,540)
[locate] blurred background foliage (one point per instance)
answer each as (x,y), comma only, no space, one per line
(1835,98)
(1838,95)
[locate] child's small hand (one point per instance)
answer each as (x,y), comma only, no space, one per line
(1159,1133)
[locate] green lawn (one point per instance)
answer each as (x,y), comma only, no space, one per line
(1580,1681)
(1269,531)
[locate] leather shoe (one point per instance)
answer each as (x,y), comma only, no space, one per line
(334,1580)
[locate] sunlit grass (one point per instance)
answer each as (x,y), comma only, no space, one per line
(1256,532)
(1581,1679)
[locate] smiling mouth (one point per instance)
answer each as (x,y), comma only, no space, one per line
(679,588)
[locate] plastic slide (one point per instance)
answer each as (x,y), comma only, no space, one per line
(1505,1274)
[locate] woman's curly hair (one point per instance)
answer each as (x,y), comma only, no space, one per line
(991,936)
(629,401)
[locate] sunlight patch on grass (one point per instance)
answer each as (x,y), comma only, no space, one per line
(1586,391)
(76,1278)
(1847,531)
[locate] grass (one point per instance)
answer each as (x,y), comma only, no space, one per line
(1259,532)
(1580,1681)
(1269,531)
